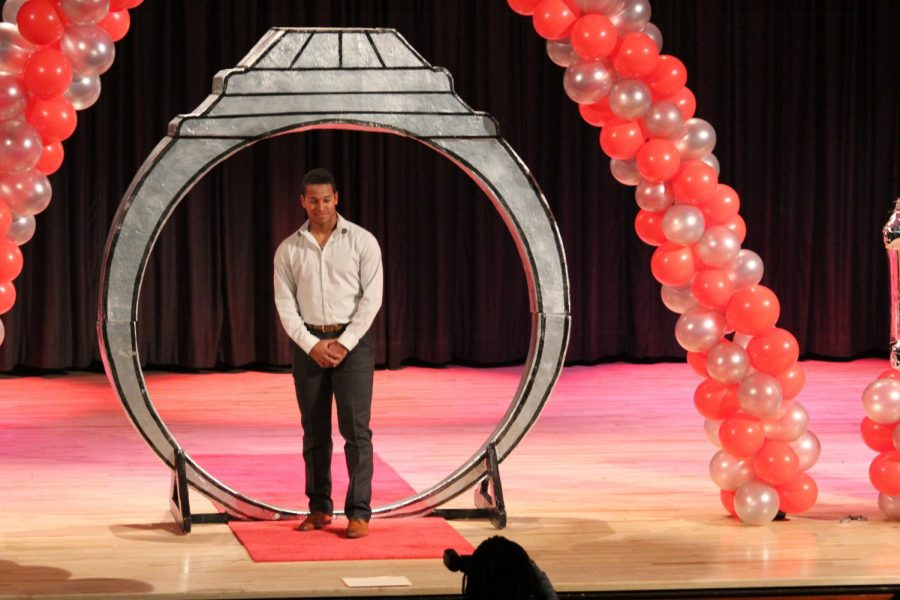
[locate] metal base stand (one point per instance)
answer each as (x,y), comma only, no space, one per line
(180,504)
(488,497)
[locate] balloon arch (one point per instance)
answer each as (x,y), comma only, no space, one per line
(52,53)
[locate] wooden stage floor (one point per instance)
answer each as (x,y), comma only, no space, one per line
(608,493)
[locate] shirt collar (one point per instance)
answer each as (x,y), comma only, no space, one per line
(340,227)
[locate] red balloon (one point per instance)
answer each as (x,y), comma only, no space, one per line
(721,206)
(39,23)
(10,260)
(621,139)
(668,76)
(753,309)
(715,400)
(553,19)
(673,264)
(648,226)
(792,381)
(890,374)
(798,495)
(7,296)
(884,472)
(116,24)
(877,436)
(5,219)
(658,160)
(742,436)
(47,73)
(695,182)
(523,7)
(593,36)
(776,463)
(51,158)
(596,114)
(727,498)
(712,288)
(737,226)
(685,101)
(773,351)
(697,361)
(54,118)
(636,55)
(116,5)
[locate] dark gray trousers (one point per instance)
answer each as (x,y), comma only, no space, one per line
(350,383)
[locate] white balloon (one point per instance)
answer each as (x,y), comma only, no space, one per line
(889,505)
(741,339)
(2,332)
(727,363)
(663,120)
(881,401)
(89,48)
(588,81)
(629,99)
(26,193)
(712,161)
(653,32)
(787,423)
(14,49)
(718,247)
(634,16)
(83,91)
(606,7)
(696,139)
(711,429)
(20,146)
(561,52)
(85,12)
(747,269)
(11,9)
(729,472)
(21,229)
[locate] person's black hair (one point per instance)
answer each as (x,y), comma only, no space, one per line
(319,177)
(499,568)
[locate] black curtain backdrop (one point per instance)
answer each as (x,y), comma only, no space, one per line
(803,95)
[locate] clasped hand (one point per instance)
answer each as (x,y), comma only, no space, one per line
(328,353)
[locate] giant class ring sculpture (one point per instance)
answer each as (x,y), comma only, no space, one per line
(295,80)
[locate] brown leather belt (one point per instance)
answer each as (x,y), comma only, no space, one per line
(328,328)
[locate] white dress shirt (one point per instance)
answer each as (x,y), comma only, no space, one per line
(340,283)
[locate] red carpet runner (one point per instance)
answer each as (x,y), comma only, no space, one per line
(278,479)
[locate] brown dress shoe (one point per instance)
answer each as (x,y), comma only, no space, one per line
(315,520)
(357,528)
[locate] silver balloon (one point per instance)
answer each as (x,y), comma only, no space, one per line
(663,120)
(629,99)
(20,146)
(561,52)
(881,401)
(747,269)
(14,49)
(606,7)
(760,395)
(696,139)
(634,16)
(711,429)
(678,300)
(83,91)
(741,339)
(727,363)
(787,423)
(11,9)
(21,230)
(756,503)
(89,48)
(683,224)
(807,448)
(625,171)
(699,329)
(888,505)
(712,161)
(718,247)
(85,12)
(13,99)
(2,332)
(653,196)
(588,81)
(26,193)
(729,472)
(653,32)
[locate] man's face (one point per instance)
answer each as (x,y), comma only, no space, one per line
(320,202)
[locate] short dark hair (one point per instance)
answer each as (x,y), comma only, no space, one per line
(319,177)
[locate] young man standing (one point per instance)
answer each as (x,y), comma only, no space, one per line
(328,288)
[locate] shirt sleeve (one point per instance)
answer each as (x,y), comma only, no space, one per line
(286,301)
(371,279)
